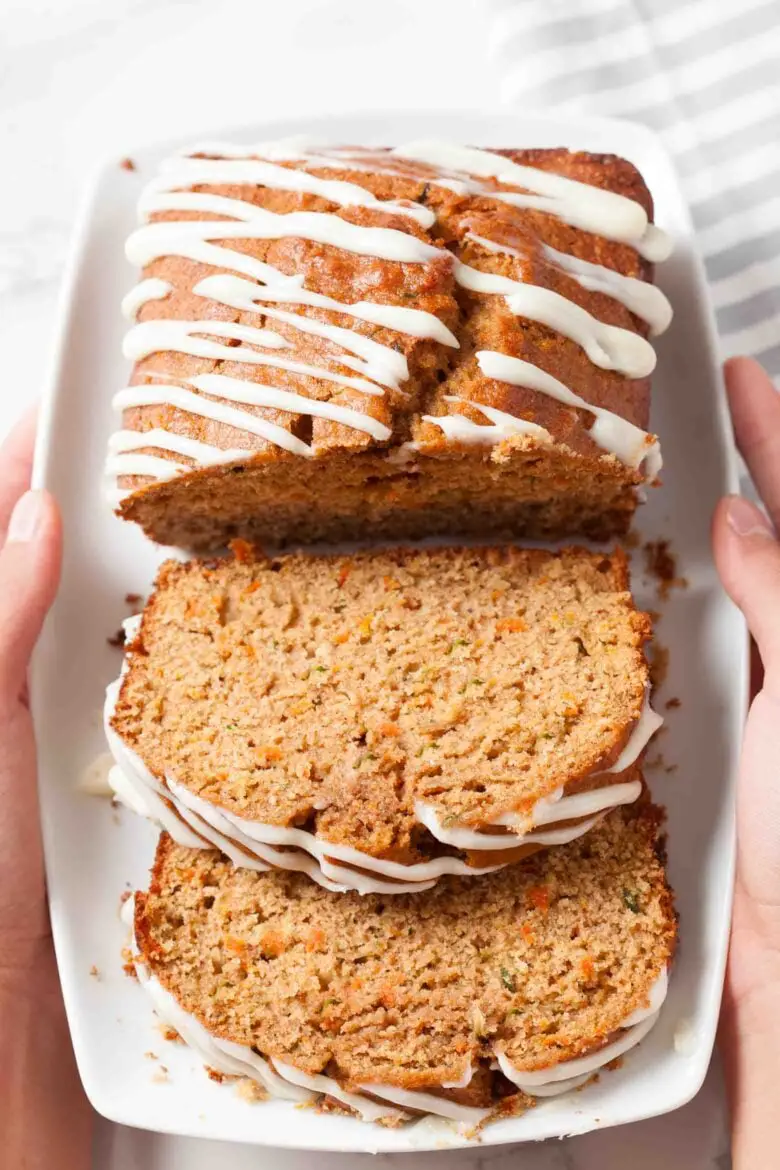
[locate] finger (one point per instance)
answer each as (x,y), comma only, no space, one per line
(748,559)
(29,573)
(755,411)
(16,456)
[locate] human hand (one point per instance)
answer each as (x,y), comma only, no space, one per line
(747,553)
(45,1119)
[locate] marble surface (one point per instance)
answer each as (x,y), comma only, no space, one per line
(82,78)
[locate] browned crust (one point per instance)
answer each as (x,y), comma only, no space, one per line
(436,371)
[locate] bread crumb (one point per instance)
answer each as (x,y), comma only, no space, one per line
(128,966)
(169,1033)
(133,599)
(151,1056)
(661,563)
(94,972)
(127,164)
(118,639)
(160,1077)
(249,1090)
(673,703)
(124,896)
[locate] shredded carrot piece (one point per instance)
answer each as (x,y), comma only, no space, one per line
(513,625)
(540,897)
(527,933)
(272,944)
(315,939)
(587,968)
(252,587)
(236,945)
(391,583)
(241,549)
(270,754)
(342,577)
(389,729)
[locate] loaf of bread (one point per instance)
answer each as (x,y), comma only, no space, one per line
(381,720)
(468,1002)
(339,343)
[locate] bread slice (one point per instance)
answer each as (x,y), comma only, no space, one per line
(469,1001)
(409,342)
(387,717)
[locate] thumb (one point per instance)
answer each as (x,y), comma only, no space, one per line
(747,555)
(29,574)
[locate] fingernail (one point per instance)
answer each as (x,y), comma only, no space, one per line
(25,518)
(746,519)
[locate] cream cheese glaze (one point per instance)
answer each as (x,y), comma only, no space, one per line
(197,823)
(208,242)
(377,1101)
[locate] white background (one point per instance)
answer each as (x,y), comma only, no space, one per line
(83,78)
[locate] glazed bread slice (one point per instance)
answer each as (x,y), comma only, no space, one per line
(468,1001)
(402,343)
(394,715)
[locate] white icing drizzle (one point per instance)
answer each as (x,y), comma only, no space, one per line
(382,366)
(190,172)
(607,346)
(459,429)
(640,297)
(257,834)
(151,289)
(256,394)
(467,1115)
(202,454)
(156,336)
(380,362)
(555,808)
(648,723)
(613,216)
(368,1110)
(172,237)
(182,399)
(615,435)
(494,246)
(470,839)
(242,294)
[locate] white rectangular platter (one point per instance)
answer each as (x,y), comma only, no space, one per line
(94,853)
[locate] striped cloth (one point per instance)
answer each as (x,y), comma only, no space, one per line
(705,75)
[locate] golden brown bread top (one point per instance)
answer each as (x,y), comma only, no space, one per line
(437,372)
